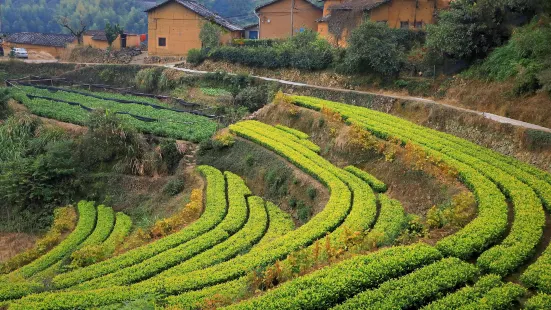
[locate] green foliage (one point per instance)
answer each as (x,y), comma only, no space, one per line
(170,154)
(195,56)
(253,98)
(210,35)
(148,79)
(470,29)
(375,183)
(374,47)
(303,51)
(312,192)
(112,32)
(5,110)
(174,187)
(539,302)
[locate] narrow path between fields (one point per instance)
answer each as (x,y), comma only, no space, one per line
(494,117)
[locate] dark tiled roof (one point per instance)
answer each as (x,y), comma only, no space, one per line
(312,2)
(44,39)
(202,11)
(99,35)
(365,5)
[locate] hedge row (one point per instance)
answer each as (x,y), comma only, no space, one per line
(233,222)
(331,285)
(237,244)
(364,207)
(538,275)
(415,289)
(299,134)
(64,220)
(491,223)
(501,297)
(467,294)
(375,183)
(280,224)
(123,224)
(215,211)
(529,217)
(85,225)
(391,222)
(327,220)
(104,226)
(538,302)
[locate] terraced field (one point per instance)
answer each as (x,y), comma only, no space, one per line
(491,263)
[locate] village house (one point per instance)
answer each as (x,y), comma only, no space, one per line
(174,27)
(98,39)
(282,18)
(33,42)
(340,17)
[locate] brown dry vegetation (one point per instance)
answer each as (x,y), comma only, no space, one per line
(12,244)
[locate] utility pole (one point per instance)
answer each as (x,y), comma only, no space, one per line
(292,17)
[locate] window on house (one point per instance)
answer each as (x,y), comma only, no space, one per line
(404,25)
(162,41)
(418,25)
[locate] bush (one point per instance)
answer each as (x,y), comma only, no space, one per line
(210,35)
(174,187)
(148,79)
(195,56)
(5,110)
(170,153)
(253,98)
(374,47)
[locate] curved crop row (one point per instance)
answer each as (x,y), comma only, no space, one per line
(104,226)
(467,294)
(85,225)
(501,297)
(538,302)
(123,224)
(529,219)
(280,224)
(391,222)
(375,183)
(299,134)
(215,211)
(234,220)
(64,220)
(331,285)
(327,220)
(171,124)
(237,244)
(416,288)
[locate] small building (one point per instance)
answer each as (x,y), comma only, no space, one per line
(251,32)
(406,14)
(98,39)
(50,43)
(280,19)
(174,27)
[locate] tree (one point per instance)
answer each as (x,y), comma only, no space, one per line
(210,35)
(77,28)
(374,47)
(112,32)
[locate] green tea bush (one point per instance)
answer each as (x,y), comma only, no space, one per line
(148,79)
(195,56)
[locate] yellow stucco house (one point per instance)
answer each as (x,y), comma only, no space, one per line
(407,14)
(97,39)
(174,27)
(279,19)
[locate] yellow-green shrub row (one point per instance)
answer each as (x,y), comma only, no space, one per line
(467,294)
(123,224)
(333,284)
(214,213)
(233,222)
(299,134)
(529,217)
(501,297)
(86,222)
(415,289)
(62,222)
(391,222)
(280,224)
(538,274)
(364,207)
(377,185)
(538,302)
(237,244)
(332,216)
(104,226)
